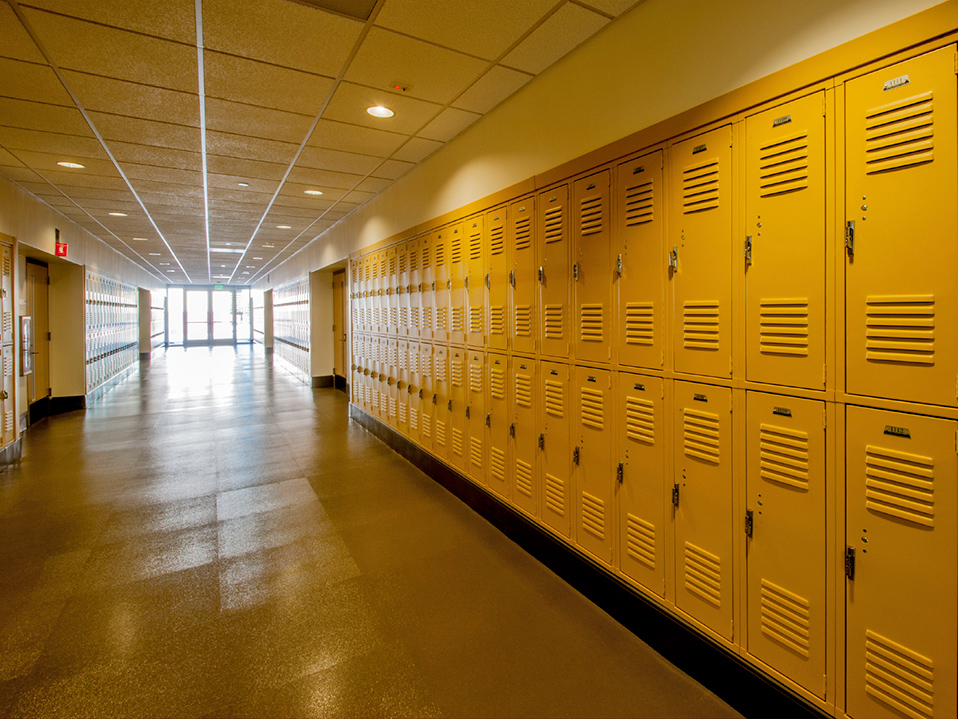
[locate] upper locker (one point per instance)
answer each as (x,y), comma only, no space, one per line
(555,335)
(476,244)
(413,294)
(458,258)
(592,456)
(700,237)
(367,286)
(523,275)
(592,268)
(441,285)
(392,289)
(497,280)
(784,252)
(427,288)
(640,228)
(901,307)
(402,290)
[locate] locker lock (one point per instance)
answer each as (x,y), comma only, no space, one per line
(542,275)
(467,412)
(489,419)
(618,266)
(748,250)
(674,259)
(620,472)
(512,429)
(434,398)
(675,494)
(467,283)
(749,523)
(575,456)
(512,278)
(488,283)
(850,563)
(542,441)
(850,238)
(449,406)
(575,271)
(420,394)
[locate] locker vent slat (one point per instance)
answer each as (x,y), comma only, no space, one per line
(783,166)
(427,426)
(701,325)
(497,240)
(703,574)
(700,187)
(553,322)
(404,317)
(592,408)
(900,328)
(524,477)
(456,373)
(414,362)
(638,204)
(784,456)
(784,326)
(786,618)
(392,317)
(425,258)
(497,383)
(413,419)
(392,265)
(701,435)
(403,417)
(457,441)
(592,323)
(402,262)
(497,320)
(555,495)
(475,378)
(591,215)
(458,319)
(440,255)
(455,250)
(553,230)
(475,320)
(413,261)
(523,320)
(640,420)
(414,318)
(523,233)
(900,485)
(593,515)
(555,404)
(638,323)
(475,451)
(899,677)
(900,135)
(523,390)
(475,248)
(640,540)
(427,320)
(442,318)
(497,464)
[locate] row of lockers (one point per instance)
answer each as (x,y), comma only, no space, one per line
(291,326)
(637,471)
(8,403)
(635,264)
(112,328)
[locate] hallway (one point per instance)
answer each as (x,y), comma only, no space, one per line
(214,538)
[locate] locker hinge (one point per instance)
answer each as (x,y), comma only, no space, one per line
(542,275)
(488,282)
(542,441)
(620,472)
(824,419)
(850,238)
(850,563)
(824,374)
(748,250)
(575,456)
(512,429)
(675,494)
(575,271)
(489,420)
(512,278)
(748,523)
(618,266)
(674,260)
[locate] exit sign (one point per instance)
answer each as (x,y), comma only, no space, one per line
(61,249)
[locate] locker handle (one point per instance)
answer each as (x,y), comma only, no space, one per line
(433,286)
(575,456)
(542,441)
(850,563)
(512,429)
(467,412)
(674,259)
(542,275)
(748,250)
(434,398)
(850,238)
(675,494)
(449,406)
(488,283)
(620,472)
(618,266)
(420,394)
(575,271)
(749,523)
(467,283)
(489,419)
(512,278)
(448,284)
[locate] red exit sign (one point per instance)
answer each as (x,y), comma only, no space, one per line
(61,249)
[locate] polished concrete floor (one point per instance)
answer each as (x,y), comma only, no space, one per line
(214,538)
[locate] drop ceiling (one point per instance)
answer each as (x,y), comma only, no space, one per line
(206,128)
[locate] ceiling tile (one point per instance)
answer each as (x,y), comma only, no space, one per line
(565,30)
(17,42)
(68,147)
(393,169)
(448,124)
(100,50)
(244,195)
(146,132)
(417,149)
(66,181)
(171,19)
(249,148)
(117,97)
(350,101)
(357,196)
(374,184)
(231,183)
(9,160)
(491,89)
(387,58)
(158,156)
(354,138)
(256,83)
(20,175)
(280,32)
(26,81)
(163,188)
(256,121)
(611,7)
(323,178)
(39,116)
(162,174)
(45,162)
(254,169)
(321,159)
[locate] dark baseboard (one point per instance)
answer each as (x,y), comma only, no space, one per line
(269,350)
(60,405)
(325,381)
(729,677)
(39,410)
(145,356)
(10,454)
(339,382)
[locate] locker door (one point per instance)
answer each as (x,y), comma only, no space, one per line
(702,504)
(412,288)
(554,276)
(476,435)
(372,316)
(555,452)
(427,398)
(477,248)
(382,296)
(412,391)
(524,429)
(375,366)
(402,290)
(441,389)
(456,405)
(427,289)
(592,269)
(785,489)
(594,475)
(8,406)
(441,285)
(900,605)
(392,290)
(785,250)
(402,387)
(524,275)
(497,280)
(641,495)
(701,250)
(458,254)
(640,221)
(500,451)
(363,265)
(901,302)
(389,406)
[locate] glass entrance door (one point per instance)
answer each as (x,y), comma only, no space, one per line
(222,323)
(210,315)
(197,317)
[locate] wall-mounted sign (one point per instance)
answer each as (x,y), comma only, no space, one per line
(26,345)
(61,249)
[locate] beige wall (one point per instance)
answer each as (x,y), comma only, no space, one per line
(321,351)
(67,330)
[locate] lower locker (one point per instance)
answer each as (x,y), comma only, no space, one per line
(402,387)
(456,409)
(592,456)
(440,399)
(702,501)
(500,454)
(555,453)
(476,432)
(427,397)
(641,441)
(526,482)
(901,576)
(785,554)
(413,387)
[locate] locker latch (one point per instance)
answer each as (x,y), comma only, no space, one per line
(512,429)
(618,266)
(748,250)
(434,398)
(620,472)
(850,238)
(467,412)
(542,441)
(449,284)
(420,394)
(575,456)
(488,283)
(575,271)
(674,259)
(850,563)
(467,283)
(489,420)
(409,389)
(675,494)
(512,278)
(542,275)
(748,523)
(449,406)
(433,286)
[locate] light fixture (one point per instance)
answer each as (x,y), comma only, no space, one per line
(154,254)
(140,239)
(71,165)
(268,245)
(227,249)
(222,265)
(246,273)
(257,258)
(312,192)
(251,267)
(243,184)
(171,270)
(283,227)
(118,214)
(164,264)
(380,111)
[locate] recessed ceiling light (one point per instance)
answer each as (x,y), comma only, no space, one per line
(140,239)
(155,254)
(312,192)
(227,249)
(118,214)
(171,270)
(257,258)
(222,265)
(71,165)
(268,245)
(164,264)
(246,273)
(251,267)
(380,111)
(243,184)
(283,227)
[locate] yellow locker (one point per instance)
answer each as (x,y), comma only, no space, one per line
(640,224)
(476,250)
(441,390)
(641,440)
(412,288)
(592,267)
(592,456)
(458,255)
(412,389)
(555,453)
(784,252)
(441,285)
(373,377)
(402,387)
(555,334)
(523,277)
(427,397)
(702,504)
(427,288)
(361,295)
(389,404)
(901,557)
(500,454)
(382,294)
(497,280)
(372,285)
(456,406)
(402,290)
(700,240)
(785,530)
(476,440)
(526,483)
(901,302)
(392,289)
